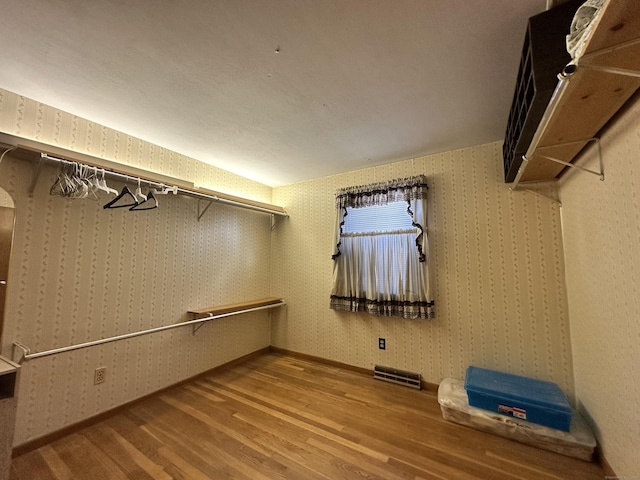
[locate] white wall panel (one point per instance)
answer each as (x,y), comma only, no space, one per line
(602,238)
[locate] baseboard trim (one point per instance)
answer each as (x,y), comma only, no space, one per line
(429,387)
(606,466)
(76,427)
(325,361)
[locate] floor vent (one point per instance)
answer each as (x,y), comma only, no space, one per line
(400,377)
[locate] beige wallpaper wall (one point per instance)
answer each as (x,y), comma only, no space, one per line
(498,276)
(602,251)
(80,273)
(27,118)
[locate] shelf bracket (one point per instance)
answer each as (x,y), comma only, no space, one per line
(614,70)
(275,220)
(35,175)
(20,351)
(600,174)
(538,194)
(604,68)
(195,328)
(201,211)
(525,160)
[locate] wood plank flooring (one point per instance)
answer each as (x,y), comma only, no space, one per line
(280,417)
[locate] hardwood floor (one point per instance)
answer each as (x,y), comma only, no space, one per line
(278,417)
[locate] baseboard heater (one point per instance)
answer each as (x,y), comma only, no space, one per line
(400,377)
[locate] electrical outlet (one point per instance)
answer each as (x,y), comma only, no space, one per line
(382,343)
(99,376)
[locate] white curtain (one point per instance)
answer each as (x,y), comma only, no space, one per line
(383,273)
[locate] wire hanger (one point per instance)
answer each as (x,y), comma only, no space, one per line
(124,193)
(149,203)
(72,182)
(94,180)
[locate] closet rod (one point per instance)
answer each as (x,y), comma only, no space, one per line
(181,191)
(27,355)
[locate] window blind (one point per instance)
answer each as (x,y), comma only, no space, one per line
(377,218)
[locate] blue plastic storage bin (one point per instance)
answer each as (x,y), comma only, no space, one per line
(533,400)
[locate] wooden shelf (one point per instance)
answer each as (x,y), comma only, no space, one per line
(592,97)
(233,307)
(544,54)
(30,150)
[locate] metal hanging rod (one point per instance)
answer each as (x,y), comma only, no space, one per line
(558,93)
(22,353)
(107,173)
(178,190)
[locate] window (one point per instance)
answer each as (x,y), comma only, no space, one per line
(378,218)
(380,258)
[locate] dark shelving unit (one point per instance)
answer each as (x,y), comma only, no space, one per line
(544,55)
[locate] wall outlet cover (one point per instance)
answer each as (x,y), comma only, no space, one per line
(99,376)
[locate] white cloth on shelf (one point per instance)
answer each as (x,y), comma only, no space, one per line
(583,22)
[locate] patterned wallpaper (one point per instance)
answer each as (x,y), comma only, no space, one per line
(602,239)
(27,118)
(79,273)
(496,264)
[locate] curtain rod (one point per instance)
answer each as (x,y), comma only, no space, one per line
(178,190)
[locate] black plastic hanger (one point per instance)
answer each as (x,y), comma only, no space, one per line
(124,193)
(149,204)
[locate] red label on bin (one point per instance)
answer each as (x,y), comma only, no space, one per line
(513,411)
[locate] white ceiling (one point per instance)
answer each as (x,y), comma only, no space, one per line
(279,91)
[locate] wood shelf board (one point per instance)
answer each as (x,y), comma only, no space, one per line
(233,307)
(30,150)
(233,198)
(618,23)
(627,58)
(591,99)
(7,367)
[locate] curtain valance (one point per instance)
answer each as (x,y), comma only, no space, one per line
(403,189)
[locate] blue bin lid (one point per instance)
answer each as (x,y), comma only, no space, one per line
(516,388)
